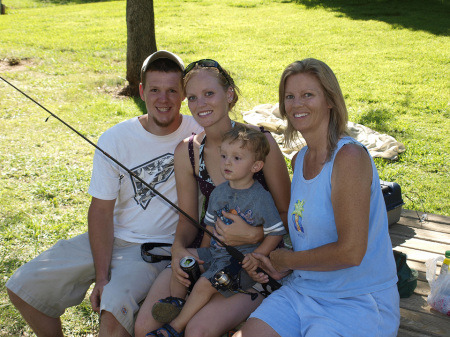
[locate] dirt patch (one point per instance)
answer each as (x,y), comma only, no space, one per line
(116,91)
(14,64)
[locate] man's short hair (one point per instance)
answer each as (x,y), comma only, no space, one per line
(162,60)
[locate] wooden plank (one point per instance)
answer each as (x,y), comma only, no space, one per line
(408,333)
(427,324)
(420,244)
(417,303)
(406,213)
(419,233)
(421,268)
(416,255)
(430,225)
(422,289)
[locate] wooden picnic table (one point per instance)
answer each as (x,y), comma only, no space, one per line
(420,241)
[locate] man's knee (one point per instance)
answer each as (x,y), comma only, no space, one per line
(107,319)
(15,300)
(110,326)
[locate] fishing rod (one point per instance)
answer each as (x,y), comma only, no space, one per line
(235,253)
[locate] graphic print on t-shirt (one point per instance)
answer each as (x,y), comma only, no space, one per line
(247,216)
(297,216)
(153,172)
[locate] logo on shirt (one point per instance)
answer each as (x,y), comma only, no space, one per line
(297,216)
(247,216)
(154,172)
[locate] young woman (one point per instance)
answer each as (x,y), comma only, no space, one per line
(211,94)
(343,280)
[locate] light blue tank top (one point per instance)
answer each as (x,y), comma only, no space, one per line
(312,224)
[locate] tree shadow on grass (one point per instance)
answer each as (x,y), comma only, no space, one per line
(140,104)
(376,119)
(431,16)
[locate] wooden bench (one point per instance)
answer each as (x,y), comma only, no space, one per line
(421,241)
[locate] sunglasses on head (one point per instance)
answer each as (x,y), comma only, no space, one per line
(153,258)
(206,63)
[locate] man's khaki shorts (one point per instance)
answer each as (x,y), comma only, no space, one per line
(60,277)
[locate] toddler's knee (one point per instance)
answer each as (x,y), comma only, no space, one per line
(203,282)
(203,286)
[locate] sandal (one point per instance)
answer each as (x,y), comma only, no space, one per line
(167,309)
(171,332)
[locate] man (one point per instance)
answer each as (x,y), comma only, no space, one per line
(123,214)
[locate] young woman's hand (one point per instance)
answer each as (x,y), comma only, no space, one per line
(239,232)
(177,254)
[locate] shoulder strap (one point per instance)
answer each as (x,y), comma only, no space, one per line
(191,151)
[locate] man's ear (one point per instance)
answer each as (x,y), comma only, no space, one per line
(257,166)
(141,91)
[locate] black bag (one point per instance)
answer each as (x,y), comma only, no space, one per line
(392,194)
(407,277)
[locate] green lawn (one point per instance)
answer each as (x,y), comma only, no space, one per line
(392,59)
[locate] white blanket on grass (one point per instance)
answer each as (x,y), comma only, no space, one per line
(268,116)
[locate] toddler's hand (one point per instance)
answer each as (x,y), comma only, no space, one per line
(250,263)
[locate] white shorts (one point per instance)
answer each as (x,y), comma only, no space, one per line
(291,313)
(60,277)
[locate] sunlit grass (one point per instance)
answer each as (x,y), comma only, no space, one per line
(391,58)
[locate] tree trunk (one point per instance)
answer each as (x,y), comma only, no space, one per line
(141,41)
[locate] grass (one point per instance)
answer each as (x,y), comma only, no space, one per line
(391,58)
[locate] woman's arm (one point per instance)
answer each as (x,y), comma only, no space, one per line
(277,178)
(352,167)
(187,192)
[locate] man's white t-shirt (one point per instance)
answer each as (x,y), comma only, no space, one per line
(139,215)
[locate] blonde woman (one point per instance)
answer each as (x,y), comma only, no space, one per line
(211,94)
(343,275)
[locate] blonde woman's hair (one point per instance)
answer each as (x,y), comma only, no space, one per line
(337,127)
(224,79)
